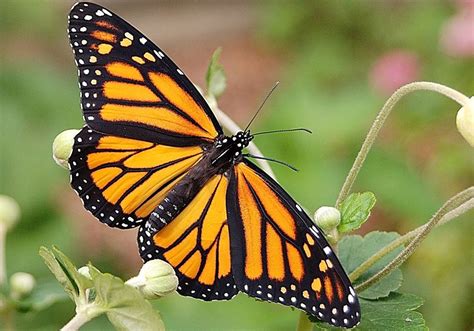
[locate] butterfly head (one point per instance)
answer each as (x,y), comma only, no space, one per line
(233,145)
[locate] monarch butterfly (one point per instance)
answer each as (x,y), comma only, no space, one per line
(152,155)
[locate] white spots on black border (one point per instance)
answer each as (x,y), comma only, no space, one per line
(299,208)
(87,17)
(327,250)
(352,290)
(179,72)
(143,40)
(350,298)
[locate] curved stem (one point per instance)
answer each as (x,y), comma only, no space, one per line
(407,237)
(76,322)
(452,204)
(230,125)
(380,120)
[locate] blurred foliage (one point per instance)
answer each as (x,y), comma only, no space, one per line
(419,160)
(328,49)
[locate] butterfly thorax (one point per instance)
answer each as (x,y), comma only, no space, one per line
(217,159)
(228,150)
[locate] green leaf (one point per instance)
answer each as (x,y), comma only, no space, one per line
(58,272)
(355,210)
(354,250)
(215,76)
(65,272)
(125,307)
(43,296)
(395,312)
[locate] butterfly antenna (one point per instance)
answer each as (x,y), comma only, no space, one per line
(271,160)
(261,106)
(283,130)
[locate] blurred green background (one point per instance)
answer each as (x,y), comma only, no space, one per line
(337,61)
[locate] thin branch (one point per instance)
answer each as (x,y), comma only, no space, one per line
(451,205)
(3,267)
(407,237)
(380,120)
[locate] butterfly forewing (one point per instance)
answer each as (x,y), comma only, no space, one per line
(130,87)
(283,256)
(121,180)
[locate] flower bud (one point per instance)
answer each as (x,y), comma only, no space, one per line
(327,218)
(62,147)
(465,121)
(85,272)
(156,279)
(9,212)
(21,284)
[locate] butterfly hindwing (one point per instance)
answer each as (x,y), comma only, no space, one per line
(121,180)
(282,256)
(197,244)
(129,87)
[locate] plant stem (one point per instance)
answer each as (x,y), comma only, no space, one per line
(452,204)
(77,321)
(407,237)
(230,125)
(3,267)
(380,120)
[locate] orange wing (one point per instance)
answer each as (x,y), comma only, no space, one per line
(130,88)
(197,244)
(121,180)
(280,255)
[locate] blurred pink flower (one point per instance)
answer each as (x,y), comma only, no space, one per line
(394,69)
(465,4)
(457,34)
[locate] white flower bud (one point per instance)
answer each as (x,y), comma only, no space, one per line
(156,279)
(21,284)
(9,212)
(62,147)
(85,272)
(327,218)
(465,121)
